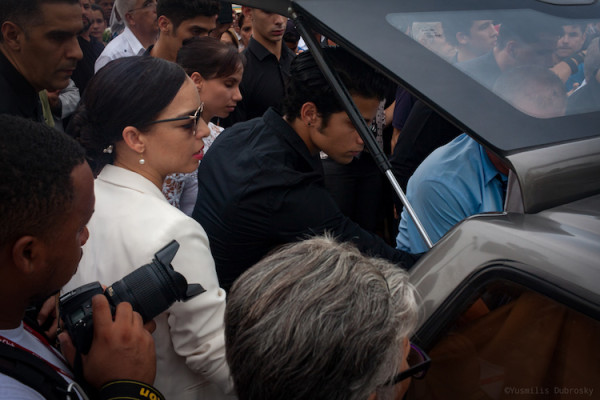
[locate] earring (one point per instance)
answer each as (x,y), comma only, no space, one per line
(142,161)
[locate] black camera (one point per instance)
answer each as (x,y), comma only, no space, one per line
(150,289)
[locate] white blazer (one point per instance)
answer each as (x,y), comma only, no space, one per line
(131,222)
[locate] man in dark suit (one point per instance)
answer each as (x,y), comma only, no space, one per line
(38,50)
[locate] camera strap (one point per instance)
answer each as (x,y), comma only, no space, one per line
(10,343)
(32,371)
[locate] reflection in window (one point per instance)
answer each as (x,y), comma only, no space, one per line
(431,35)
(514,343)
(487,44)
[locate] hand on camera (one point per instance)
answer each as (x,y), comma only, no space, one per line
(121,349)
(47,318)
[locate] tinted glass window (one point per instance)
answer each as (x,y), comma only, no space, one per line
(486,45)
(514,343)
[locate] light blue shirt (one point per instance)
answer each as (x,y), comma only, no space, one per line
(456,181)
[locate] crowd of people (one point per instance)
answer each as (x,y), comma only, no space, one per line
(186,121)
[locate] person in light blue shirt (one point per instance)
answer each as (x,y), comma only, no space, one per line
(457,180)
(463,178)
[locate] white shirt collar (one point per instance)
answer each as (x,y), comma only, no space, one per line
(132,180)
(134,43)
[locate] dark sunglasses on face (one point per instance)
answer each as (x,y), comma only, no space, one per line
(418,362)
(195,118)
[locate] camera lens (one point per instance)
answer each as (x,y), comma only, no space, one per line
(153,287)
(149,291)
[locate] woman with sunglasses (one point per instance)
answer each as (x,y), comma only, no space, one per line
(216,69)
(139,121)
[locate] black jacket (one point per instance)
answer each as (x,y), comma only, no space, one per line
(263,82)
(17,96)
(259,187)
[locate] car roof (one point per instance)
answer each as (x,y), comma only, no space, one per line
(556,160)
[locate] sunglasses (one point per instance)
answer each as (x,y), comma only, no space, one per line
(418,362)
(195,118)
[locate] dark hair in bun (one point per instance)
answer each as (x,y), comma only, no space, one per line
(129,91)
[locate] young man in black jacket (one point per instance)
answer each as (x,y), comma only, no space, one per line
(261,183)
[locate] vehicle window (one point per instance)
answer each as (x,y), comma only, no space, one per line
(514,343)
(486,45)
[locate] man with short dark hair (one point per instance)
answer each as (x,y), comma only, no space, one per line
(569,49)
(38,50)
(46,200)
(107,7)
(245,30)
(179,20)
(261,184)
(472,38)
(267,66)
(90,47)
(141,30)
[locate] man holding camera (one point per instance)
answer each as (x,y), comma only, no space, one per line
(46,200)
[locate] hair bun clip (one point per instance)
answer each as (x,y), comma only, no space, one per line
(108,150)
